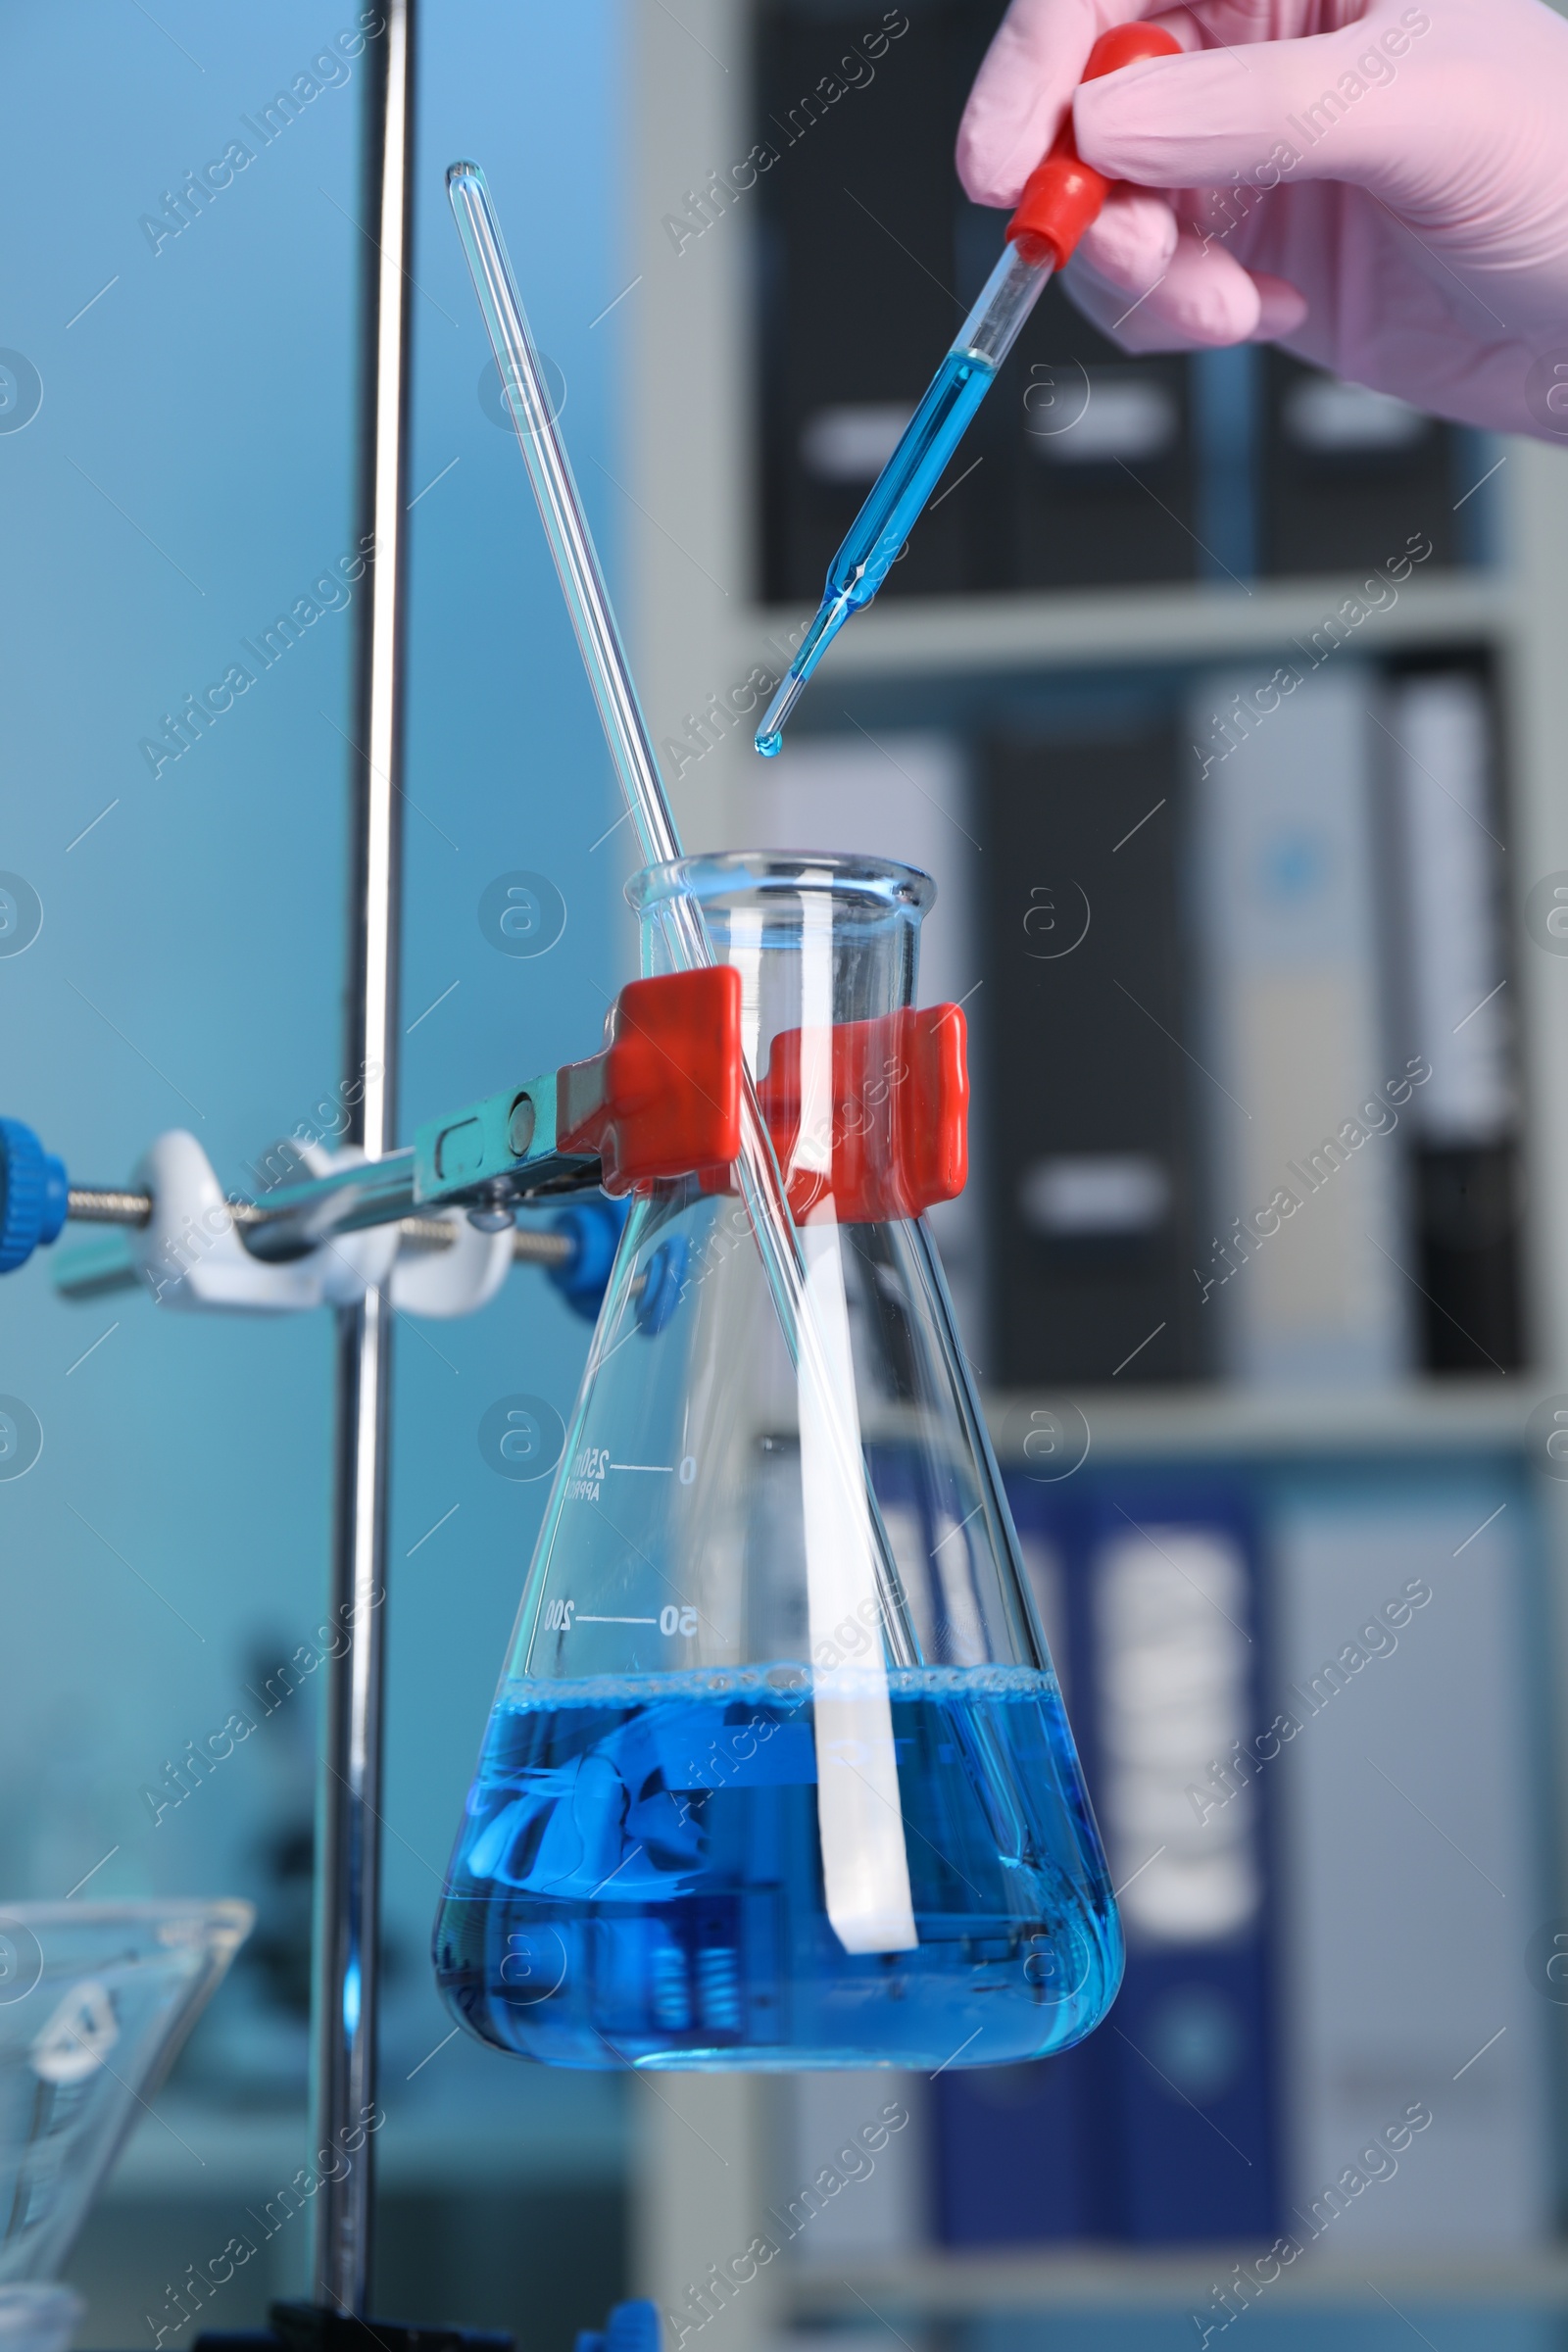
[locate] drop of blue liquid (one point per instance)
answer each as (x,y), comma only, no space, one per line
(769,746)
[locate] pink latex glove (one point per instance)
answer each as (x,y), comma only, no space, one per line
(1380,186)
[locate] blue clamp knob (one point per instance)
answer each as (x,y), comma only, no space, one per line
(595,1225)
(632,2328)
(663,1280)
(34,1194)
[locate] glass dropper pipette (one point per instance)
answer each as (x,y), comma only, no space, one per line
(625,729)
(1060,199)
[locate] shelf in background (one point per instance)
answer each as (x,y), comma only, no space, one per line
(1431,1416)
(955,2286)
(1178,624)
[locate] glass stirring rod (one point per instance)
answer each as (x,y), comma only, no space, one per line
(1062,197)
(621,714)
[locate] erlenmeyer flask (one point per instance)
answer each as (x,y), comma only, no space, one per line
(778,1773)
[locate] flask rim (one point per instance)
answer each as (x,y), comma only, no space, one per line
(725,874)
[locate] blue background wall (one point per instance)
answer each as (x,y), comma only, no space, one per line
(186,477)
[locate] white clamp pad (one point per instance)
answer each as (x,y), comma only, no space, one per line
(189,1252)
(457,1280)
(192,1257)
(350,1264)
(437,1283)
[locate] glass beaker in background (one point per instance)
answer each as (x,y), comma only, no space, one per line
(95,2000)
(778,1773)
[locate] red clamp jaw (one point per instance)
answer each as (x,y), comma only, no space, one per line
(1062,195)
(870,1117)
(664,1096)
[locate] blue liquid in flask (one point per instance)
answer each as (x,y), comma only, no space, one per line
(891,511)
(638,1879)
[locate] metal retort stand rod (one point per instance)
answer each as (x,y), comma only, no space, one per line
(348,1866)
(346,1929)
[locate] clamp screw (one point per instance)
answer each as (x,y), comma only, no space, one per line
(493,1213)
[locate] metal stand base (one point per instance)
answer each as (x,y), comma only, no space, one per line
(310,2328)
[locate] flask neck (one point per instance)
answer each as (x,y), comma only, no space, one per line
(818,942)
(864,1099)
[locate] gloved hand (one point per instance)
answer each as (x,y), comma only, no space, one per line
(1380,186)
